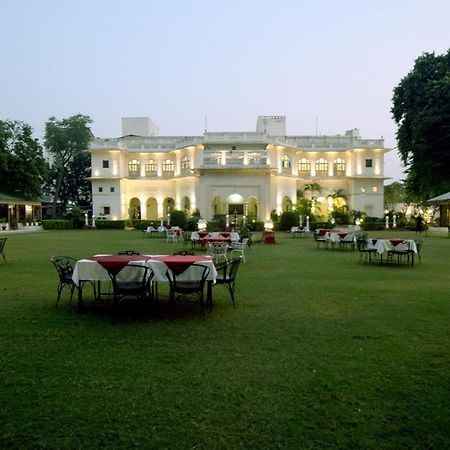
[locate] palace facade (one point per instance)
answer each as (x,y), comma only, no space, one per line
(244,173)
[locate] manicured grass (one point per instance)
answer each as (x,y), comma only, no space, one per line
(322,351)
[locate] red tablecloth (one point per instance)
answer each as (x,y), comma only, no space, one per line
(115,263)
(179,263)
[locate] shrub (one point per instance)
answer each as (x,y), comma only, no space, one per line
(57,224)
(178,219)
(115,224)
(372,224)
(288,219)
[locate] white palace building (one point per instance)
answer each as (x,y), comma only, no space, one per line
(248,173)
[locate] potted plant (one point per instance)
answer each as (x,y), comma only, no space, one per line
(3,223)
(13,223)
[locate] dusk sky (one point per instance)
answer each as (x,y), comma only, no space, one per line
(328,66)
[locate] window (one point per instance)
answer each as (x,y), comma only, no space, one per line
(304,165)
(133,167)
(106,210)
(111,189)
(374,189)
(339,167)
(168,165)
(368,163)
(321,166)
(105,164)
(286,162)
(151,167)
(185,162)
(362,189)
(100,189)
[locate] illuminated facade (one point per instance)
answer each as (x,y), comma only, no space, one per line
(248,173)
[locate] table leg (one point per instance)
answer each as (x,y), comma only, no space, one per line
(209,294)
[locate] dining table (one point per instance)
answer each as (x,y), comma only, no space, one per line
(340,237)
(398,246)
(96,268)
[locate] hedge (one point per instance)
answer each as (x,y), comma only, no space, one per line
(104,224)
(57,224)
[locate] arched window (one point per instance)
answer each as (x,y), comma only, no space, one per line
(304,166)
(321,166)
(168,166)
(134,167)
(339,167)
(286,161)
(151,167)
(185,162)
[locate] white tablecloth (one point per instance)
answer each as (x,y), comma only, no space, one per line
(386,245)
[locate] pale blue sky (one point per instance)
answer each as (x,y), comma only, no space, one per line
(177,61)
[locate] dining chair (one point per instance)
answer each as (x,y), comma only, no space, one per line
(190,282)
(218,250)
(184,253)
(226,276)
(2,247)
(419,243)
(239,247)
(171,235)
(129,252)
(348,241)
(65,266)
(132,280)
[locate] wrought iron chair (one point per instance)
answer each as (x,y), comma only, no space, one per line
(226,276)
(2,247)
(129,252)
(171,235)
(184,253)
(190,282)
(132,280)
(218,250)
(65,266)
(239,247)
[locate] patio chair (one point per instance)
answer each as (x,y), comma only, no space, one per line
(129,252)
(348,240)
(65,266)
(226,276)
(239,247)
(218,250)
(362,244)
(132,280)
(419,243)
(320,238)
(2,247)
(190,282)
(171,235)
(184,253)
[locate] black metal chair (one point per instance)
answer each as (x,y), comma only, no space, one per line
(226,276)
(2,247)
(129,252)
(184,253)
(197,275)
(132,280)
(64,265)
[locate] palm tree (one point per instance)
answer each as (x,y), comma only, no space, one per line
(312,187)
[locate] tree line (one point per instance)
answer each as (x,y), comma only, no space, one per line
(420,108)
(64,178)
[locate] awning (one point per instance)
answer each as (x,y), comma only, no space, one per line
(440,199)
(10,199)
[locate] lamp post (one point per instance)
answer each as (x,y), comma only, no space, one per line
(394,221)
(387,222)
(168,218)
(86,219)
(307,222)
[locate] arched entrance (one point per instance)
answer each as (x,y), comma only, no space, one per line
(152,209)
(168,205)
(286,204)
(186,204)
(134,211)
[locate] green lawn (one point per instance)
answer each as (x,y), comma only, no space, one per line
(322,351)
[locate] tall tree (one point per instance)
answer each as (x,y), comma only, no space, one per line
(67,140)
(22,166)
(421,109)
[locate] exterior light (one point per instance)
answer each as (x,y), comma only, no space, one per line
(268,225)
(201,224)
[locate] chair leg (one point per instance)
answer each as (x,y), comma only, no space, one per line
(231,291)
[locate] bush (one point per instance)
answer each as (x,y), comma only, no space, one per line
(107,224)
(255,226)
(372,224)
(178,219)
(57,224)
(288,219)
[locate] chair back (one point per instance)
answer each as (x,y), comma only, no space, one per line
(192,279)
(184,253)
(135,278)
(218,249)
(419,243)
(2,247)
(129,252)
(233,267)
(65,266)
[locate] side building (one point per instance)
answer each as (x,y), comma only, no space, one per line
(245,173)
